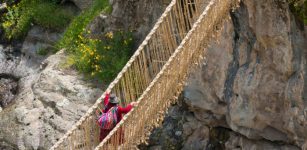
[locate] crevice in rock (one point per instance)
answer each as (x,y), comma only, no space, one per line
(218,136)
(242,34)
(234,65)
(170,134)
(53,106)
(298,41)
(8,89)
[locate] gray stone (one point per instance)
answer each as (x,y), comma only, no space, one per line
(178,133)
(83,4)
(198,140)
(8,89)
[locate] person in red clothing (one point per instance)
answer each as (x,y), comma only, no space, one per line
(112,101)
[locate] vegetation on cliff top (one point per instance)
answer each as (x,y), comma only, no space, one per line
(79,23)
(100,58)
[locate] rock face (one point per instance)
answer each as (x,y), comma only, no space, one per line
(199,134)
(255,77)
(49,99)
(239,142)
(138,16)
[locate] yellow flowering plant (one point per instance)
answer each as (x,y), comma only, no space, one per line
(104,58)
(16,22)
(71,38)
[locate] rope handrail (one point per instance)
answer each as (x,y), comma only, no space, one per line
(192,47)
(130,83)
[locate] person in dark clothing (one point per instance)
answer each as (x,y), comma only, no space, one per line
(112,101)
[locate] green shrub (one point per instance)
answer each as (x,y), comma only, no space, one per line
(78,25)
(18,19)
(96,58)
(299,8)
(103,58)
(42,51)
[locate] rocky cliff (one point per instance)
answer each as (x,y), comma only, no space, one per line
(255,80)
(40,100)
(250,93)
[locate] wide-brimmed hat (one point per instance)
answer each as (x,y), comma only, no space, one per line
(113,99)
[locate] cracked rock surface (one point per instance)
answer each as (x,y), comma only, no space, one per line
(49,100)
(254,78)
(253,84)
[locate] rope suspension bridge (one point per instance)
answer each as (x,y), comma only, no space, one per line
(154,76)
